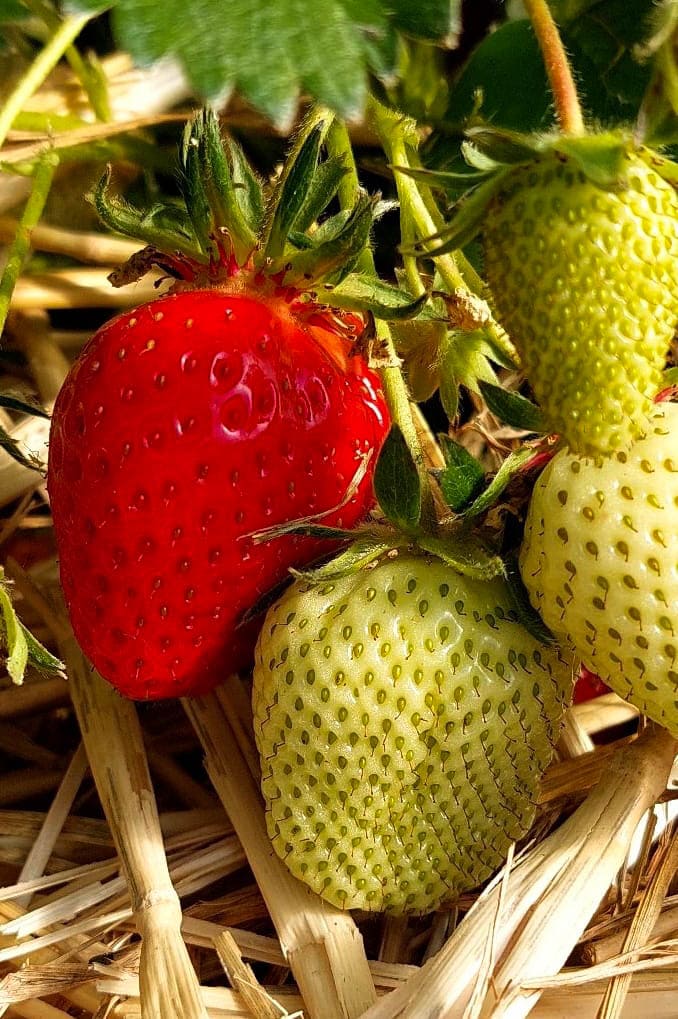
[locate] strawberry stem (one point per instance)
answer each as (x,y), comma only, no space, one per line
(21,245)
(397,396)
(422,221)
(558,68)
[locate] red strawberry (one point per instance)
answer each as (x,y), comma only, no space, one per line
(186,425)
(588,686)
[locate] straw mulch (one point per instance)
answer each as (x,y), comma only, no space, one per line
(136,876)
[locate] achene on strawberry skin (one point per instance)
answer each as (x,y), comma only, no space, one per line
(186,425)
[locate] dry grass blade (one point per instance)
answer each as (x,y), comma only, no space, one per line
(86,247)
(322,945)
(552,892)
(642,924)
(42,848)
(242,978)
(80,288)
(110,730)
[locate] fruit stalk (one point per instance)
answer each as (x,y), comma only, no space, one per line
(421,221)
(20,247)
(395,390)
(558,67)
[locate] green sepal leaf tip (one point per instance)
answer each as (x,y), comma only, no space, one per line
(512,408)
(397,485)
(462,477)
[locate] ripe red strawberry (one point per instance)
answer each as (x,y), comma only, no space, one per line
(186,425)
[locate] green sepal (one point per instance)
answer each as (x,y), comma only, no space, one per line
(360,292)
(303,528)
(397,484)
(22,401)
(38,655)
(512,408)
(334,255)
(194,182)
(442,180)
(503,147)
(467,218)
(464,360)
(599,156)
(670,377)
(321,190)
(465,554)
(513,463)
(666,168)
(15,641)
(217,187)
(359,553)
(249,193)
(520,599)
(462,477)
(291,193)
(22,647)
(121,217)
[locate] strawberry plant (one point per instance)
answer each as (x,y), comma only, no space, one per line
(382,433)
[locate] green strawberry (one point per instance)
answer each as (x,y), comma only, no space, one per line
(404,718)
(583,279)
(600,562)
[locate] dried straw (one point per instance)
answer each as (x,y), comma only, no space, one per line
(551,895)
(112,737)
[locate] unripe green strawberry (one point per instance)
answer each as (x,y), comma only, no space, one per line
(404,718)
(600,562)
(583,278)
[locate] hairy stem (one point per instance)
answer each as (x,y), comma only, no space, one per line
(45,61)
(558,67)
(420,216)
(395,390)
(21,244)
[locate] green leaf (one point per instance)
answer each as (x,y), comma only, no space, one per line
(359,292)
(512,408)
(670,377)
(272,52)
(428,19)
(511,465)
(13,10)
(365,550)
(396,482)
(465,554)
(462,477)
(15,640)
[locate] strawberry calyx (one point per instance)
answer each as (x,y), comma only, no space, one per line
(493,154)
(233,231)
